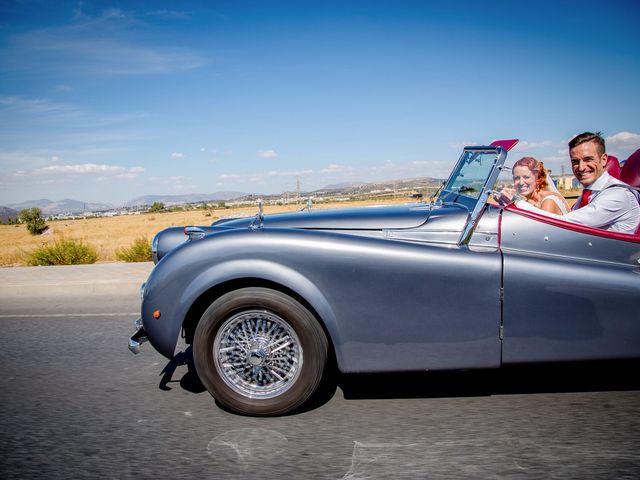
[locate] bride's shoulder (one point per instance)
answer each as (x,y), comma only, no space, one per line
(546,194)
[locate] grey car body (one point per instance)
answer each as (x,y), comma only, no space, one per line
(455,283)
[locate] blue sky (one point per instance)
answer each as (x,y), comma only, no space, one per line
(105,101)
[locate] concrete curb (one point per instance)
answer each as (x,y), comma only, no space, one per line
(95,279)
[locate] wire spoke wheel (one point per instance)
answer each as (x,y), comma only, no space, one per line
(259,351)
(258,354)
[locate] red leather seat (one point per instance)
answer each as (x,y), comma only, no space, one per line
(613,166)
(630,172)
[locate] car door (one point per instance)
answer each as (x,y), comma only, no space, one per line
(570,293)
(411,306)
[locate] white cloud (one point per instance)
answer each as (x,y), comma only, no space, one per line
(267,154)
(558,159)
(263,177)
(229,176)
(277,173)
(461,145)
(179,183)
(110,44)
(81,168)
(177,155)
(525,145)
(23,159)
(20,105)
(623,140)
(90,168)
(335,168)
(171,14)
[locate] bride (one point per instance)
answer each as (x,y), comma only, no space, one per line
(531,181)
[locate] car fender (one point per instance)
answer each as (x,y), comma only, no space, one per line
(192,270)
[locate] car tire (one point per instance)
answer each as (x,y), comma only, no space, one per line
(259,352)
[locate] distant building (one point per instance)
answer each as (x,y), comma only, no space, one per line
(566,182)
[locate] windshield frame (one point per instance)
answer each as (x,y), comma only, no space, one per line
(474,204)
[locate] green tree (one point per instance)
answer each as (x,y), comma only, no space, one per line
(156,207)
(32,217)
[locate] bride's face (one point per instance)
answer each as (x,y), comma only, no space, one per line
(524,181)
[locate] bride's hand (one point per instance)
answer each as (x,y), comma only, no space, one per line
(505,196)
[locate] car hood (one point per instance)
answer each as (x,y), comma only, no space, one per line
(441,218)
(362,218)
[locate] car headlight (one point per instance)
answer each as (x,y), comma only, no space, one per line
(154,247)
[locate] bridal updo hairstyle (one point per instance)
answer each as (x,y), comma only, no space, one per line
(537,168)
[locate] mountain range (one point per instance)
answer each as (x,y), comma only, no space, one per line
(68,206)
(7,214)
(189,198)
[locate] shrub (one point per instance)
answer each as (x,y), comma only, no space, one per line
(33,218)
(139,251)
(156,207)
(63,252)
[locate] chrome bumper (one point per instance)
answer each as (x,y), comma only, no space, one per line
(138,338)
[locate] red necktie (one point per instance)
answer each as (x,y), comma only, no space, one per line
(584,199)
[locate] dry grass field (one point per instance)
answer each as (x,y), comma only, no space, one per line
(111,233)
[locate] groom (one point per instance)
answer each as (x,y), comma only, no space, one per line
(600,205)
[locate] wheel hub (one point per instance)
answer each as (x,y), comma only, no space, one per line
(259,353)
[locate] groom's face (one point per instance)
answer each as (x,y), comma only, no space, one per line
(587,163)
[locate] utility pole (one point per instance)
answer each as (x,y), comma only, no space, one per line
(298,189)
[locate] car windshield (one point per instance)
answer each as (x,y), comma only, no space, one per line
(471,182)
(472,172)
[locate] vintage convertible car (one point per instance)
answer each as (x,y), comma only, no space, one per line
(268,303)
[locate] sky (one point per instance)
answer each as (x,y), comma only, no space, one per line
(105,101)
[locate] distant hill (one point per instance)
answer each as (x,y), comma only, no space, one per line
(344,185)
(43,202)
(62,206)
(188,198)
(7,214)
(69,206)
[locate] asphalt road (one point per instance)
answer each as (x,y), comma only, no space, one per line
(77,404)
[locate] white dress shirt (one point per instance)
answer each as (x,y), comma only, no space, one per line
(614,209)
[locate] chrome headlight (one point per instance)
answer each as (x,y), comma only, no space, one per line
(154,247)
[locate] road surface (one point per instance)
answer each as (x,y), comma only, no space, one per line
(77,404)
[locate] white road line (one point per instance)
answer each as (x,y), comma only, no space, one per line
(59,315)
